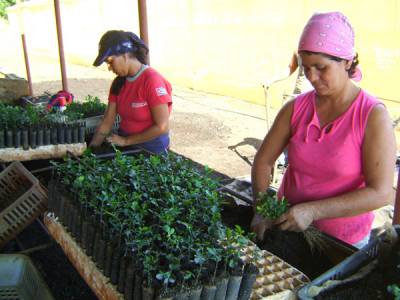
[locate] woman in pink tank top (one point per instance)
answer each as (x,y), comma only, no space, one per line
(340,141)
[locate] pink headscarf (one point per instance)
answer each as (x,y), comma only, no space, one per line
(332,34)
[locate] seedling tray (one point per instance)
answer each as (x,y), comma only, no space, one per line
(275,275)
(83,263)
(22,200)
(19,279)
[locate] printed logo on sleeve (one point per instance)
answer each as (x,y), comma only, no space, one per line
(138,104)
(161,91)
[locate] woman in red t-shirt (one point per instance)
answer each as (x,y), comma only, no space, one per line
(139,94)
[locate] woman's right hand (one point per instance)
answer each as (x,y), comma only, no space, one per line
(259,225)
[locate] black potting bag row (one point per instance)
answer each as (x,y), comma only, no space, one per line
(111,257)
(33,137)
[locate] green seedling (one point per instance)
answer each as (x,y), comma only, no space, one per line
(270,207)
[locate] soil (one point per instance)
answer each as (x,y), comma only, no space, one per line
(294,249)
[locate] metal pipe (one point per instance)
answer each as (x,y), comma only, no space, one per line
(143,25)
(60,45)
(396,216)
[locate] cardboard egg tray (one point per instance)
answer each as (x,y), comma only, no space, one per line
(275,275)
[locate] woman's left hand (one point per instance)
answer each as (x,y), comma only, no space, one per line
(297,218)
(117,140)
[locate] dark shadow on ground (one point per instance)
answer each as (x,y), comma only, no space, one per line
(255,143)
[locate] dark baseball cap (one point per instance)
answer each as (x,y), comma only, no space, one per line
(116,42)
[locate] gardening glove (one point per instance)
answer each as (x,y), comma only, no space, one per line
(259,225)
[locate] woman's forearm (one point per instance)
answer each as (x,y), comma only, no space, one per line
(260,178)
(101,133)
(351,204)
(104,129)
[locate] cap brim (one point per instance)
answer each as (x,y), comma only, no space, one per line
(99,60)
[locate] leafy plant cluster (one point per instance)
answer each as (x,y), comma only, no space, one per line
(394,289)
(90,107)
(18,117)
(12,117)
(270,207)
(166,214)
(3,5)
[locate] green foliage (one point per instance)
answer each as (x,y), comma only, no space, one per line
(34,115)
(270,207)
(394,289)
(90,107)
(166,212)
(31,115)
(3,5)
(17,117)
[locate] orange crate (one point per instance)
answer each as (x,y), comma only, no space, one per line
(22,200)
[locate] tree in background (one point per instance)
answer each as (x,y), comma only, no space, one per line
(3,5)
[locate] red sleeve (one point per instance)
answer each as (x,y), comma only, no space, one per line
(158,90)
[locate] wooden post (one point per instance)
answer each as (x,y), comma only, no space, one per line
(144,34)
(25,48)
(60,45)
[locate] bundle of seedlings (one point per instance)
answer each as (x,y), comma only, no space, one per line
(292,246)
(153,225)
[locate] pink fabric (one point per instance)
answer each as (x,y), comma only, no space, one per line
(332,34)
(326,162)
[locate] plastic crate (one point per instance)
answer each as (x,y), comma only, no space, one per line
(347,267)
(19,279)
(22,200)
